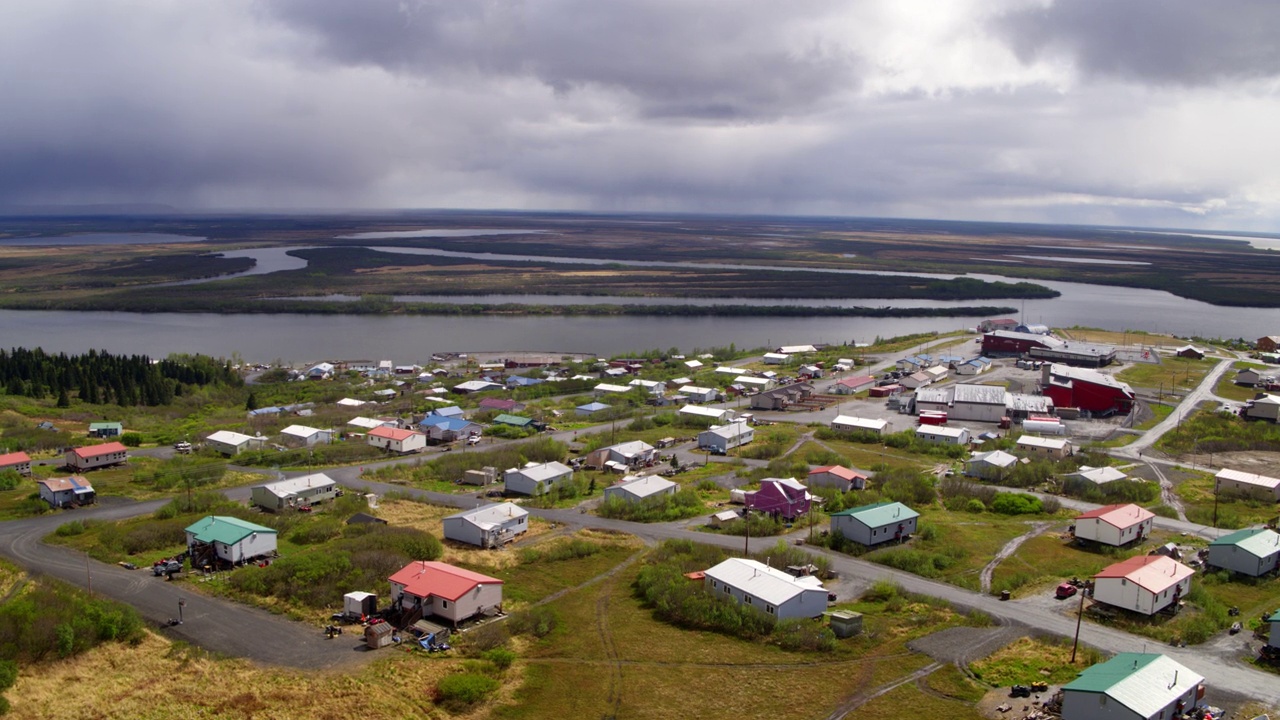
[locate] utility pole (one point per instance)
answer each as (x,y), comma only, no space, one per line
(88,573)
(1216,483)
(746,518)
(1079,618)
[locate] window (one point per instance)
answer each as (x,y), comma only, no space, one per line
(746,599)
(726,590)
(769,609)
(713,583)
(444,604)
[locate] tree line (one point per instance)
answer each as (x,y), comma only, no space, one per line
(99,377)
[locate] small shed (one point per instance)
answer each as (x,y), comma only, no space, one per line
(378,635)
(845,623)
(359,604)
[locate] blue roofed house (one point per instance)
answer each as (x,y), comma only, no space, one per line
(875,523)
(440,429)
(1141,686)
(591,408)
(453,411)
(1254,552)
(515,381)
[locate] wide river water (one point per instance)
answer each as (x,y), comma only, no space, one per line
(305,338)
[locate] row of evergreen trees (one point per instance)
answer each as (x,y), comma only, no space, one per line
(100,377)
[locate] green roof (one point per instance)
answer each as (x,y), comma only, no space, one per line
(1104,676)
(1256,541)
(1274,618)
(223,529)
(513,420)
(105,426)
(880,514)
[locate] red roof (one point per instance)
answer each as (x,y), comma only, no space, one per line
(84,453)
(75,482)
(1154,573)
(393,433)
(843,473)
(1121,516)
(14,459)
(854,382)
(425,577)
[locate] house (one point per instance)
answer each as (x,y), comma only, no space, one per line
(453,411)
(517,381)
(475,386)
(652,387)
(1145,584)
(1133,686)
(783,397)
(1248,484)
(781,497)
(693,364)
(1263,407)
(513,421)
(590,408)
(773,358)
(1053,448)
(993,465)
(1268,344)
(850,423)
(1248,377)
(756,384)
(973,366)
(997,324)
(293,493)
(365,424)
(916,380)
(637,488)
(622,456)
(838,477)
(610,389)
(18,462)
(397,440)
(425,587)
(95,456)
(105,429)
(320,371)
(535,478)
(876,523)
(440,429)
(851,385)
(771,591)
(943,435)
(706,414)
(1254,552)
(722,518)
(1114,525)
(66,492)
(233,443)
(487,526)
(1274,640)
(501,405)
(809,371)
(697,394)
(303,436)
(720,439)
(220,540)
(1189,351)
(1096,475)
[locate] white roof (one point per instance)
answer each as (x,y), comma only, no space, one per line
(545,471)
(351,402)
(726,370)
(1039,442)
(293,486)
(606,387)
(491,515)
(1150,688)
(748,380)
(628,449)
(998,458)
(733,429)
(775,356)
(786,482)
(367,423)
(1267,399)
(695,390)
(301,431)
(793,349)
(759,580)
(714,413)
(230,438)
(693,364)
(648,384)
(862,423)
(724,515)
(1099,475)
(476,386)
(643,486)
(1248,478)
(941,430)
(980,394)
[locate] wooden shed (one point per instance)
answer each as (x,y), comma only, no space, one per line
(378,635)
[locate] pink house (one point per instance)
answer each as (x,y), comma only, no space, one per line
(19,462)
(835,476)
(780,497)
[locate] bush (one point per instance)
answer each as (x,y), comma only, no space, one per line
(1016,504)
(501,657)
(457,692)
(313,533)
(539,621)
(9,479)
(75,527)
(572,550)
(683,504)
(131,439)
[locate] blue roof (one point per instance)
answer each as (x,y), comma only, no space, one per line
(522,380)
(593,407)
(449,412)
(454,424)
(265,411)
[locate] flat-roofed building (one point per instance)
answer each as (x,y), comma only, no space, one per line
(1248,484)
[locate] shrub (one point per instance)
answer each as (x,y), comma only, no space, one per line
(538,621)
(1016,504)
(457,692)
(683,504)
(501,657)
(8,674)
(572,550)
(75,527)
(975,506)
(131,439)
(313,533)
(9,479)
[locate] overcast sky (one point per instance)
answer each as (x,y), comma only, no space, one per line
(1088,111)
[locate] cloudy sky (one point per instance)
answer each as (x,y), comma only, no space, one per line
(1088,111)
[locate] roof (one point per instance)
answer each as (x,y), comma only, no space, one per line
(1248,478)
(367,423)
(843,473)
(452,424)
(393,433)
(516,420)
(880,514)
(793,349)
(14,458)
(1259,542)
(1039,442)
(998,458)
(476,386)
(229,437)
(1121,516)
(1044,340)
(493,514)
(74,483)
(980,394)
(292,486)
(695,390)
(855,382)
(451,411)
(1154,573)
(1099,475)
(748,380)
(954,432)
(734,429)
(104,426)
(857,422)
(223,529)
(593,407)
(791,483)
(1145,683)
(609,388)
(544,471)
(703,411)
(644,486)
(300,431)
(95,450)
(774,587)
(1089,376)
(627,449)
(425,577)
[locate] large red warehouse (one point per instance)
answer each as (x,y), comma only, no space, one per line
(1088,390)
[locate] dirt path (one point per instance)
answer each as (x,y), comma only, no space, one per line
(984,579)
(863,698)
(1167,495)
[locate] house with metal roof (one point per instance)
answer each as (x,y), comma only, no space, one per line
(1045,447)
(622,456)
(836,476)
(425,587)
(95,456)
(876,523)
(105,429)
(1096,475)
(850,423)
(440,429)
(1263,407)
(535,478)
(696,394)
(218,539)
(475,386)
(228,442)
(298,492)
(1114,525)
(723,438)
(590,408)
(513,420)
(943,435)
(487,526)
(1249,484)
(706,414)
(786,498)
(1145,584)
(765,589)
(303,436)
(640,487)
(397,440)
(18,462)
(1254,552)
(992,465)
(1133,686)
(66,492)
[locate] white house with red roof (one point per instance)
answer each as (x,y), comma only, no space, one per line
(397,440)
(18,462)
(1115,524)
(95,456)
(838,477)
(1145,584)
(444,590)
(851,385)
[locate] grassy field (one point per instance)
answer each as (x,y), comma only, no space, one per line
(1111,337)
(864,456)
(1197,492)
(1039,564)
(1227,386)
(1171,373)
(1027,660)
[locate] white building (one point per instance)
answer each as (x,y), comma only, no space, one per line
(772,358)
(838,477)
(365,424)
(754,383)
(1133,686)
(535,478)
(943,435)
(1145,584)
(697,394)
(233,443)
(487,526)
(95,456)
(723,438)
(436,588)
(1115,525)
(1250,484)
(66,492)
(652,387)
(1097,475)
(397,440)
(634,489)
(1253,551)
(1054,448)
(993,465)
(769,591)
(301,435)
(706,413)
(610,389)
(857,424)
(218,539)
(296,492)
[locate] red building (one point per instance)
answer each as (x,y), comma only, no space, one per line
(1088,390)
(1008,342)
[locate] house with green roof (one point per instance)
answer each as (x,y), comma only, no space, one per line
(876,523)
(1254,552)
(1133,686)
(105,429)
(513,420)
(221,540)
(1274,641)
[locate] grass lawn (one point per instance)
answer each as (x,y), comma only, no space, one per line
(1159,413)
(1172,372)
(1021,663)
(864,456)
(1227,386)
(1197,490)
(1111,337)
(931,703)
(1039,564)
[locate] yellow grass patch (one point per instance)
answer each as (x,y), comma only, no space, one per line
(429,518)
